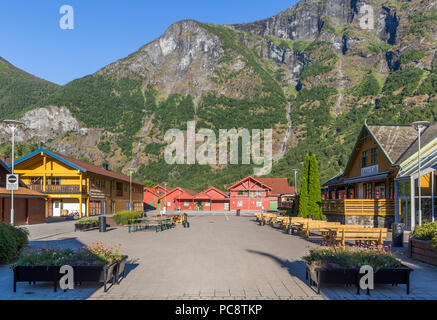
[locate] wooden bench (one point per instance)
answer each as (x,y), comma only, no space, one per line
(284,223)
(306,227)
(359,235)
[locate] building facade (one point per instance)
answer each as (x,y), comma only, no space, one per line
(77,187)
(258,193)
(365,192)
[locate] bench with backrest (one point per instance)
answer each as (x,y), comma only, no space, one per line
(330,233)
(359,235)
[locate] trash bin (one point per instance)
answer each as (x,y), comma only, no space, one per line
(397,234)
(102,224)
(238,212)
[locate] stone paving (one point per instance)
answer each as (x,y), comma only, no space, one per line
(220,256)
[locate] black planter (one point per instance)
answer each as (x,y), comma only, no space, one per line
(30,274)
(36,273)
(95,274)
(351,276)
(85,226)
(120,269)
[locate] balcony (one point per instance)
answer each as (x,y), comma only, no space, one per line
(365,207)
(60,189)
(285,205)
(119,193)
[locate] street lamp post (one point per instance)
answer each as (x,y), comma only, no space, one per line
(13,124)
(130,188)
(165,197)
(419,126)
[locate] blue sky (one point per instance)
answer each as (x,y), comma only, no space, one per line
(104,31)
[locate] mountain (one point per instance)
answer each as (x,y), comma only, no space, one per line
(19,90)
(313,73)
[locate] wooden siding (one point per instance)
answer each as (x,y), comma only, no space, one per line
(364,207)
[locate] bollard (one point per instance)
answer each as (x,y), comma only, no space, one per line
(397,230)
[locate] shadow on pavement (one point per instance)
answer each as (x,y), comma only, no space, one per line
(295,268)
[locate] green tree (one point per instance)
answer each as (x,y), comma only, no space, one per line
(314,190)
(303,195)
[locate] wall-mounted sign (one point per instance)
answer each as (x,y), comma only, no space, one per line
(95,193)
(367,171)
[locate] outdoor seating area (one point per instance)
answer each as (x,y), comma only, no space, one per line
(332,233)
(157,223)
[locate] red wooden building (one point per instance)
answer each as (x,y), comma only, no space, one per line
(257,193)
(212,199)
(177,198)
(152,196)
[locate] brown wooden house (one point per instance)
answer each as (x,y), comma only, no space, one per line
(364,193)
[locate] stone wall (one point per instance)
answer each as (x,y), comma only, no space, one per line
(367,221)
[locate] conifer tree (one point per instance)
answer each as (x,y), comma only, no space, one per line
(314,190)
(303,194)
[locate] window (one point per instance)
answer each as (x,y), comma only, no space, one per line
(368,190)
(259,193)
(56,181)
(364,159)
(259,204)
(240,193)
(373,156)
(239,203)
(186,204)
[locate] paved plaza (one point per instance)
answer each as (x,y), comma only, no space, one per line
(220,256)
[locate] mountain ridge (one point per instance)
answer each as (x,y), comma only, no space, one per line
(310,73)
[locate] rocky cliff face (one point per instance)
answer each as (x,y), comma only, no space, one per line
(313,73)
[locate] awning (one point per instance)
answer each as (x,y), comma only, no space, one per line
(372,177)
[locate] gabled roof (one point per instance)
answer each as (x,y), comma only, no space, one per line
(394,140)
(152,191)
(8,170)
(249,178)
(428,135)
(279,185)
(78,165)
(190,192)
(217,190)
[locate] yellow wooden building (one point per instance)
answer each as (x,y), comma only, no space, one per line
(379,171)
(75,186)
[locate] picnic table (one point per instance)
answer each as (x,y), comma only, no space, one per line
(359,234)
(159,223)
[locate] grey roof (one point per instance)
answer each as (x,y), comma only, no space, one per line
(393,139)
(426,137)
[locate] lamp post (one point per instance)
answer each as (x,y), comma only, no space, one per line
(419,126)
(13,124)
(130,188)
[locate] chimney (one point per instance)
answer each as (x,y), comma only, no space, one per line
(105,165)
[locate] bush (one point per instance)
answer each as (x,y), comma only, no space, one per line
(426,232)
(88,221)
(352,257)
(123,217)
(12,240)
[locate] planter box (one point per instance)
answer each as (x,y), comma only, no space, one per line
(51,274)
(422,250)
(121,269)
(36,273)
(351,276)
(87,226)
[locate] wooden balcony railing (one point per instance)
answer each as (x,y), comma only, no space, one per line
(359,207)
(64,189)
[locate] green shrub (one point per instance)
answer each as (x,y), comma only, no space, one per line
(426,232)
(124,217)
(12,240)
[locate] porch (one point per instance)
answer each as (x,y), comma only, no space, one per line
(365,207)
